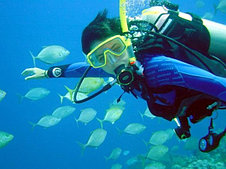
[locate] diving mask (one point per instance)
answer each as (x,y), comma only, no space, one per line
(112,48)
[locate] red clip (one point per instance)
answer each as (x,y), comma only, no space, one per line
(132,63)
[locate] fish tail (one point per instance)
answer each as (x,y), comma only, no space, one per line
(33,124)
(215,9)
(83,147)
(141,115)
(145,142)
(70,91)
(101,122)
(77,122)
(33,57)
(119,131)
(61,98)
(143,159)
(20,97)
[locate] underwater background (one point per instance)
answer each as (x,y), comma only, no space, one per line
(28,26)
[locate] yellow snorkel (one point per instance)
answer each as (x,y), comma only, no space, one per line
(122,15)
(124,25)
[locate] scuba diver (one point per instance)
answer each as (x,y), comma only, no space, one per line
(175,61)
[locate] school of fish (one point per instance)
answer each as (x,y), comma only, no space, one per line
(156,148)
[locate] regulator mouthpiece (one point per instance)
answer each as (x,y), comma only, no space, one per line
(124,75)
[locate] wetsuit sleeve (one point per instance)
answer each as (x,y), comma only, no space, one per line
(75,70)
(165,71)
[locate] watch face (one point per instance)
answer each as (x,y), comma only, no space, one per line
(57,72)
(202,144)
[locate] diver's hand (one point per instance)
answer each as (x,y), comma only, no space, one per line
(34,73)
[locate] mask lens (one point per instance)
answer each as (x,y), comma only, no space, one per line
(97,60)
(118,46)
(115,45)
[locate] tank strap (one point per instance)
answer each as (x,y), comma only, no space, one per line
(190,32)
(164,20)
(195,18)
(161,21)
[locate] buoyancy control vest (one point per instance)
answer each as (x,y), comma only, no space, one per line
(176,37)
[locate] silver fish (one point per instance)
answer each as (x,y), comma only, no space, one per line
(199,4)
(51,54)
(96,138)
(126,152)
(86,115)
(116,152)
(91,84)
(159,137)
(134,128)
(148,114)
(36,94)
(208,15)
(156,165)
(112,114)
(157,152)
(116,166)
(5,138)
(221,6)
(70,95)
(63,111)
(47,121)
(2,94)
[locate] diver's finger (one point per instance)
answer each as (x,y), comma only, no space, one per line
(24,72)
(27,71)
(30,77)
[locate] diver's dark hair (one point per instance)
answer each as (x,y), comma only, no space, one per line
(100,28)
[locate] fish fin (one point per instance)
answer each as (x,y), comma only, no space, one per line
(215,9)
(141,115)
(119,131)
(143,159)
(83,147)
(70,91)
(33,124)
(76,122)
(61,98)
(101,122)
(145,142)
(33,57)
(21,97)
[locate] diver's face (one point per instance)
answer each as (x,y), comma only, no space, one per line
(112,61)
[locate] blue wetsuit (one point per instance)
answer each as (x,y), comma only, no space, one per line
(168,81)
(172,81)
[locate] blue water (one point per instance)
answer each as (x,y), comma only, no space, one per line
(27,26)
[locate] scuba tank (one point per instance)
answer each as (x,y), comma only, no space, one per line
(210,35)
